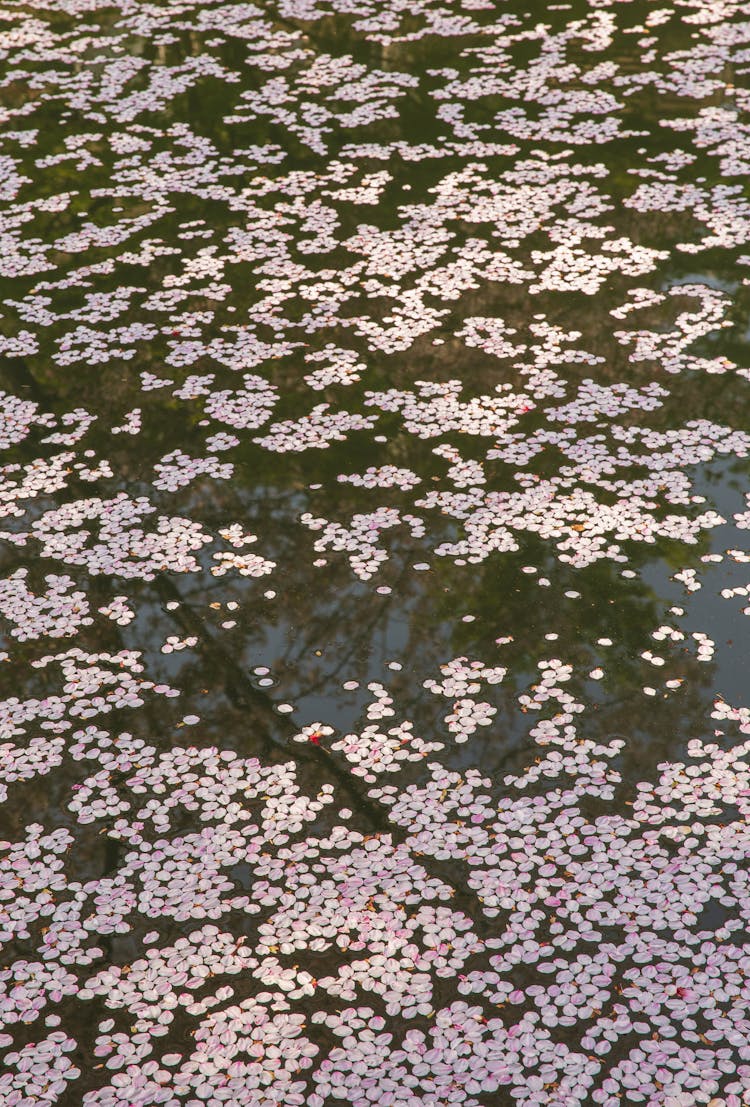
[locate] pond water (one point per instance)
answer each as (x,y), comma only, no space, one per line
(374,561)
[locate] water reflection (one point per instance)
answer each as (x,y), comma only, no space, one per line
(427,784)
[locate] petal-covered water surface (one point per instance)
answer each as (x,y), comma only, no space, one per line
(374,558)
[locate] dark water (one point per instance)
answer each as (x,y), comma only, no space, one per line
(374,553)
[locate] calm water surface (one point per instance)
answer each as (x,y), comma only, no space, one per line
(375,573)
